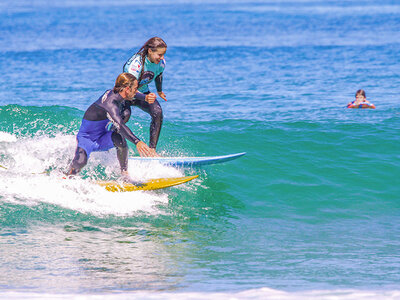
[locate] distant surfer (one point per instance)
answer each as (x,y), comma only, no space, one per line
(146,65)
(94,133)
(361,101)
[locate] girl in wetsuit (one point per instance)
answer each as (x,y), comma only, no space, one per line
(361,101)
(147,65)
(94,135)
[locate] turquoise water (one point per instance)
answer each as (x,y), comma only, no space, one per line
(311,211)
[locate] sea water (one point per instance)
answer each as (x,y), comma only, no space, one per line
(312,211)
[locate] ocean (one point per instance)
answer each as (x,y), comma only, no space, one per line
(312,211)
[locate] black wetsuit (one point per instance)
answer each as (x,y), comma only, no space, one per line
(154,110)
(94,134)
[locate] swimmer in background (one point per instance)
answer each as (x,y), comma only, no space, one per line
(361,101)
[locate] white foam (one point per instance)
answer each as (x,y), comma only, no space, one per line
(77,194)
(26,158)
(7,137)
(262,293)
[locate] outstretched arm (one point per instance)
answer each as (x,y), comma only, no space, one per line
(114,116)
(124,130)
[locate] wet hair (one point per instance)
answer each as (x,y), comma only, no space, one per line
(124,80)
(361,92)
(154,43)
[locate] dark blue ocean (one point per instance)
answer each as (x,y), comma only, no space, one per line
(312,211)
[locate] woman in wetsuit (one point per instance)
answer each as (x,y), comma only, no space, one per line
(147,65)
(94,134)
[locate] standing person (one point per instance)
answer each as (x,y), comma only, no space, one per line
(93,134)
(148,64)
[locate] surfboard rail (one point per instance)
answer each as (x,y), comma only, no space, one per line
(152,184)
(189,161)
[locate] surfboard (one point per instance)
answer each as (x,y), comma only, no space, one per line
(188,161)
(152,184)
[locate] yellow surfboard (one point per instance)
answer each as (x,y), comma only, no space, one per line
(152,184)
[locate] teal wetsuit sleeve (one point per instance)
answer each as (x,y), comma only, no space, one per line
(134,66)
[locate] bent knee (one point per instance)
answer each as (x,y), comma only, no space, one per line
(156,111)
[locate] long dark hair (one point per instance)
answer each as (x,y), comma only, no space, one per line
(154,43)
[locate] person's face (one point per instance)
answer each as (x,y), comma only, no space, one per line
(360,98)
(157,55)
(131,91)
